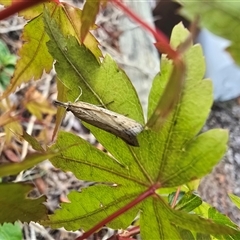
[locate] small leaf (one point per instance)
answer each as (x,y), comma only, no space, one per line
(235,199)
(7,169)
(69,21)
(28,67)
(218,217)
(169,93)
(89,14)
(7,65)
(13,196)
(188,202)
(219,17)
(9,231)
(33,142)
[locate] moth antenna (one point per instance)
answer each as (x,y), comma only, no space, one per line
(78,95)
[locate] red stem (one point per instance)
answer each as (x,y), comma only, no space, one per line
(160,37)
(18,6)
(150,191)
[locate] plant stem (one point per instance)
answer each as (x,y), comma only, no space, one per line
(160,37)
(18,6)
(149,192)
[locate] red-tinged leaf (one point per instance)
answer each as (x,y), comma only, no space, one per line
(17,6)
(16,206)
(89,14)
(70,22)
(62,93)
(33,142)
(32,12)
(170,96)
(29,13)
(34,56)
(30,161)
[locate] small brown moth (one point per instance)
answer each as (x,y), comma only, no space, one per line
(125,128)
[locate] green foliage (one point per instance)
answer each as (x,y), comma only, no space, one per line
(220,17)
(9,231)
(7,65)
(30,161)
(89,15)
(31,66)
(171,157)
(235,199)
(15,205)
(130,181)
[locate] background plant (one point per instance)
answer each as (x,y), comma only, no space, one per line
(129,180)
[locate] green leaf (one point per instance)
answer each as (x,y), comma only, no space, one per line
(33,142)
(164,97)
(154,214)
(89,14)
(7,65)
(188,202)
(195,159)
(7,169)
(69,20)
(28,66)
(168,158)
(220,17)
(13,196)
(101,84)
(32,65)
(91,206)
(166,220)
(218,217)
(207,211)
(9,231)
(235,199)
(169,97)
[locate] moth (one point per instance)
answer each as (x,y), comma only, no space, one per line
(119,125)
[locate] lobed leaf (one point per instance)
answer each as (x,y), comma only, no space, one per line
(167,220)
(13,196)
(79,71)
(167,158)
(38,59)
(31,65)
